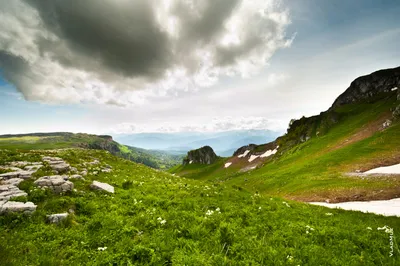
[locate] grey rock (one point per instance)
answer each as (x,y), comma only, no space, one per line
(204,155)
(102,186)
(368,86)
(19,163)
(20,174)
(14,206)
(9,191)
(12,181)
(60,167)
(55,183)
(94,162)
(57,218)
(75,177)
(32,167)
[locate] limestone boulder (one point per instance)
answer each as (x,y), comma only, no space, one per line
(102,186)
(57,183)
(14,206)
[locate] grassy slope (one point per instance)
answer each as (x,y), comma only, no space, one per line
(153,159)
(250,230)
(314,169)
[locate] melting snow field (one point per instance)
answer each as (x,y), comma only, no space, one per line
(228,164)
(393,169)
(252,158)
(269,153)
(244,154)
(383,207)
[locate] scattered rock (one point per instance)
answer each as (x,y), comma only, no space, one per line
(12,181)
(75,177)
(33,168)
(84,173)
(106,170)
(19,163)
(102,186)
(57,164)
(56,183)
(57,218)
(14,206)
(20,174)
(10,191)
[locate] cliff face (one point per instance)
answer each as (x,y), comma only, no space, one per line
(204,155)
(369,86)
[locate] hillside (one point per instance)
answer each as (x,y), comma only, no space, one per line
(61,140)
(154,218)
(312,161)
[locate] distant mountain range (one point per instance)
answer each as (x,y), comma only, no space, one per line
(223,143)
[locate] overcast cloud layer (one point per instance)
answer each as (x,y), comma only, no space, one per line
(127,52)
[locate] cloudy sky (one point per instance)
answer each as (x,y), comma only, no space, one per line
(125,66)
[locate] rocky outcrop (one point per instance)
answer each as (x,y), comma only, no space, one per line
(57,164)
(19,174)
(204,155)
(9,191)
(57,183)
(369,86)
(14,206)
(243,149)
(102,186)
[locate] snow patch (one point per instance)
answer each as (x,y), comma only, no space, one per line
(190,162)
(393,169)
(244,154)
(228,164)
(253,157)
(383,207)
(269,153)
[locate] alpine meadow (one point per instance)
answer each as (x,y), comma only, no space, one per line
(209,132)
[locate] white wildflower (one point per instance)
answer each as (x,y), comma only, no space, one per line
(328,214)
(369,228)
(217,209)
(209,212)
(287,204)
(101,248)
(163,222)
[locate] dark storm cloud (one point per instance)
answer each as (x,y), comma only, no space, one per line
(123,36)
(123,52)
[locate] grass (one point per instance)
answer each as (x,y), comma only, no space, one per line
(205,224)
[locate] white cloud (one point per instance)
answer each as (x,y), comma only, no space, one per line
(217,124)
(130,52)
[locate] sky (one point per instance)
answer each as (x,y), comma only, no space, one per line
(129,66)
